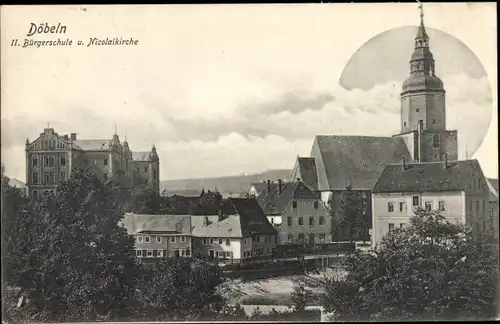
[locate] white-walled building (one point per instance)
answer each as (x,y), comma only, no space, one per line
(457,189)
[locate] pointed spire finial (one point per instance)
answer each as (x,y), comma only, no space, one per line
(115,130)
(421,7)
(125,136)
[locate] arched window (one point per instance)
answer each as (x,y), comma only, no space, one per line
(35,194)
(46,193)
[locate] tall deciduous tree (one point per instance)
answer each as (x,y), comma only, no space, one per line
(351,214)
(428,270)
(77,262)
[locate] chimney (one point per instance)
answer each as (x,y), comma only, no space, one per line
(280,186)
(66,137)
(403,164)
(445,161)
(268,185)
(73,136)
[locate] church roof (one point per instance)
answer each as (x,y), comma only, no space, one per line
(428,177)
(273,202)
(355,160)
(92,144)
(140,156)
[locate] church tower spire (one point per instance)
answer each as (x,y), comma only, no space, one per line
(423,107)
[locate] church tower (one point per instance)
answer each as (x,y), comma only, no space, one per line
(423,106)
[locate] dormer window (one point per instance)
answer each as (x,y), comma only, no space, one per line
(294,204)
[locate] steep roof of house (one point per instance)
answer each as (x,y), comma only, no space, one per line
(308,172)
(355,160)
(92,144)
(140,156)
(273,202)
(259,186)
(171,224)
(228,227)
(427,177)
(252,218)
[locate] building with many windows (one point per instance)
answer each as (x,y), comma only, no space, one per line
(457,189)
(51,157)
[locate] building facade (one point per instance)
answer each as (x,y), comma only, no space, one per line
(457,190)
(297,213)
(160,236)
(51,157)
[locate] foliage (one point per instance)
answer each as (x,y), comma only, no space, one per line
(69,256)
(428,270)
(351,214)
(300,296)
(207,204)
(179,289)
(145,200)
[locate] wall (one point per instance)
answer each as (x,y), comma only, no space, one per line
(454,204)
(305,209)
(430,107)
(263,244)
(451,144)
(165,244)
(411,141)
(436,111)
(203,249)
(477,203)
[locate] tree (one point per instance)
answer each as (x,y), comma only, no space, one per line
(299,297)
(73,260)
(207,204)
(179,289)
(351,213)
(428,270)
(145,200)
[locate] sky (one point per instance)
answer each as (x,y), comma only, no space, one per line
(231,89)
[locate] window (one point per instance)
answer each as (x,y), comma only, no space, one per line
(46,161)
(272,220)
(35,177)
(183,239)
(35,195)
(47,177)
(188,252)
(228,241)
(63,160)
(321,220)
(290,238)
(220,241)
(316,204)
(105,176)
(289,221)
(172,239)
(401,225)
(404,124)
(149,253)
(145,169)
(211,241)
(477,206)
(105,161)
(470,206)
(417,110)
(311,220)
(158,239)
(294,204)
(491,211)
(35,160)
(301,221)
(183,252)
(311,238)
(147,239)
(391,226)
(441,206)
(266,238)
(139,239)
(415,201)
(428,206)
(258,238)
(229,254)
(138,253)
(220,254)
(301,238)
(322,238)
(62,175)
(390,206)
(204,241)
(52,161)
(137,169)
(433,121)
(435,140)
(159,253)
(401,206)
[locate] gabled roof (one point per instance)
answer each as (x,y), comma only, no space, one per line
(307,170)
(166,224)
(428,177)
(273,202)
(140,156)
(228,227)
(259,186)
(355,160)
(252,218)
(92,144)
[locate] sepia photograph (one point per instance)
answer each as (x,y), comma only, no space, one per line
(249,162)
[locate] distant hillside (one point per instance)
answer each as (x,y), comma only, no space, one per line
(229,184)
